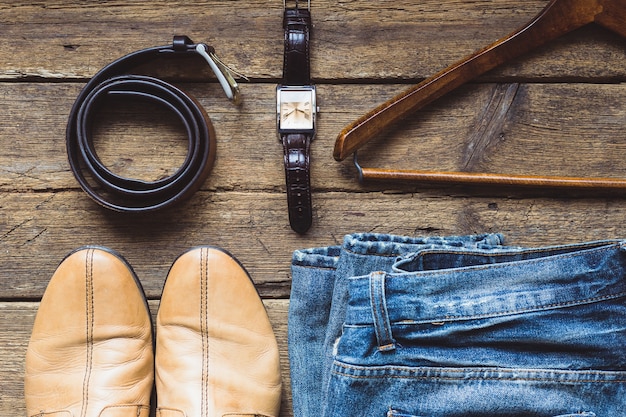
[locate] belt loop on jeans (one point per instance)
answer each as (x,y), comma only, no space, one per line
(378,302)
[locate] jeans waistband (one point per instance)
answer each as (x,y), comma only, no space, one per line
(511,282)
(378,244)
(392,245)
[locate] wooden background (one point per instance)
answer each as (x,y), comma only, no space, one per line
(559,110)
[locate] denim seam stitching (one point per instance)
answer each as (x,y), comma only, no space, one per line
(527,310)
(409,322)
(600,246)
(501,265)
(578,381)
(561,372)
(328,268)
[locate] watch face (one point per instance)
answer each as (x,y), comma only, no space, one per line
(296,109)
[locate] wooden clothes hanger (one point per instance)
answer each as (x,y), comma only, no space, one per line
(556,19)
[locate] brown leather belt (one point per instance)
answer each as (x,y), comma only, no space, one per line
(128,194)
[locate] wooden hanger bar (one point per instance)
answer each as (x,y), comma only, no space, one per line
(472,178)
(557,18)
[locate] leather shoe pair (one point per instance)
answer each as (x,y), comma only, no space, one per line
(92,351)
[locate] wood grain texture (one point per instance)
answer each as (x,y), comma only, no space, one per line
(351,39)
(253,226)
(547,121)
(558,18)
(557,111)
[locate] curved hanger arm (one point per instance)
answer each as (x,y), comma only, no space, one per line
(613,16)
(557,18)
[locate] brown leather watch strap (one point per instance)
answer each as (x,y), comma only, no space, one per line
(297,175)
(296,145)
(296,65)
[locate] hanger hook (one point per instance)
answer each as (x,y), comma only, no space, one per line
(358,168)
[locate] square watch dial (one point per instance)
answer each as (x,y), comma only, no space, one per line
(296,109)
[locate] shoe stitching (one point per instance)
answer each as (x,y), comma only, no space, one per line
(89,309)
(140,408)
(160,411)
(204,328)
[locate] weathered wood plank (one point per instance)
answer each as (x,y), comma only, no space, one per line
(38,229)
(557,111)
(16,321)
(352,40)
(513,128)
(553,123)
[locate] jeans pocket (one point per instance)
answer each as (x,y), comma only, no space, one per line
(428,391)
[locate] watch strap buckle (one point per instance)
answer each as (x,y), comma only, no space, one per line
(308,6)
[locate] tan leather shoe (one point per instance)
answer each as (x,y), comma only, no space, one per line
(91,351)
(216,354)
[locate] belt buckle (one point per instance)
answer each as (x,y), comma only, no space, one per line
(223,73)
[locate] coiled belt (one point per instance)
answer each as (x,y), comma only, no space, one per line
(134,195)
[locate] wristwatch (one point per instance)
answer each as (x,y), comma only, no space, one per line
(296,109)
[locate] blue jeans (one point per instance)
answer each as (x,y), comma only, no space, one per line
(458,326)
(319,293)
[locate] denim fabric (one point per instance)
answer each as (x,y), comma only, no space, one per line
(319,295)
(470,329)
